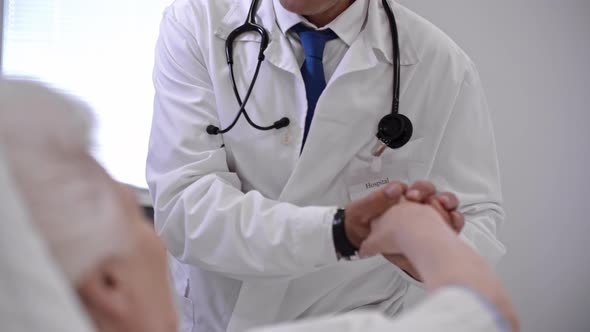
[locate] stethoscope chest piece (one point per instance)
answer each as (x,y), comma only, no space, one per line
(394,131)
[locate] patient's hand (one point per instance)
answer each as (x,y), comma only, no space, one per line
(392,224)
(421,201)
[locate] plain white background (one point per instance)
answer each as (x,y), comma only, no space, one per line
(534,59)
(101,51)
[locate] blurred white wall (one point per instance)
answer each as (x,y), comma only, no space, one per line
(1,31)
(534,59)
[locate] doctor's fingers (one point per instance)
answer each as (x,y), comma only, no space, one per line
(442,211)
(420,191)
(458,221)
(454,219)
(376,203)
(450,203)
(448,200)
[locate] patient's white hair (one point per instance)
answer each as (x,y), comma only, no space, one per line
(47,138)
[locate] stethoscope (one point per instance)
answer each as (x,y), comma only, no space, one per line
(394,130)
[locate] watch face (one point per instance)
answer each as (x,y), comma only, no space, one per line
(338,217)
(337,220)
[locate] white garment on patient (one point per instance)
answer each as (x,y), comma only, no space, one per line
(452,309)
(34,295)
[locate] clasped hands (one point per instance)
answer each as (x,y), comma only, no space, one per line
(372,220)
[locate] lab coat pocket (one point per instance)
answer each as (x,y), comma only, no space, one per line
(366,173)
(186,315)
(184,305)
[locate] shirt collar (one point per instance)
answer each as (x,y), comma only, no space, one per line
(372,30)
(347,25)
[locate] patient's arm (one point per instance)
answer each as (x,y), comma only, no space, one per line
(439,255)
(444,261)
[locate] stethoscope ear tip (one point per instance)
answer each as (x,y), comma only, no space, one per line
(212,130)
(282,123)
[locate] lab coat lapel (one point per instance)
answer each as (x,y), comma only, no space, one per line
(341,129)
(359,57)
(278,53)
(333,138)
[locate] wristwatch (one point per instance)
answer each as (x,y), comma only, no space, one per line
(344,248)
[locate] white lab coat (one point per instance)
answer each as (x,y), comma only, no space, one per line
(249,223)
(450,309)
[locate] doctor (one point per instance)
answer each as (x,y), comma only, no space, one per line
(247,182)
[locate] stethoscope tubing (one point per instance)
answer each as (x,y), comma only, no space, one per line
(394,129)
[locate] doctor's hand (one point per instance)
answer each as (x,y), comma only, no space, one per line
(360,213)
(446,203)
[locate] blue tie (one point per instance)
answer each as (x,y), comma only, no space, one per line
(314,42)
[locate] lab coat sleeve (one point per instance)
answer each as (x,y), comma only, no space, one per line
(200,211)
(450,309)
(466,164)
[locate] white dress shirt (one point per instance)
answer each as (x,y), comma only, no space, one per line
(347,27)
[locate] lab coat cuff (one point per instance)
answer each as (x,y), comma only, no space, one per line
(315,246)
(407,277)
(413,281)
(491,249)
